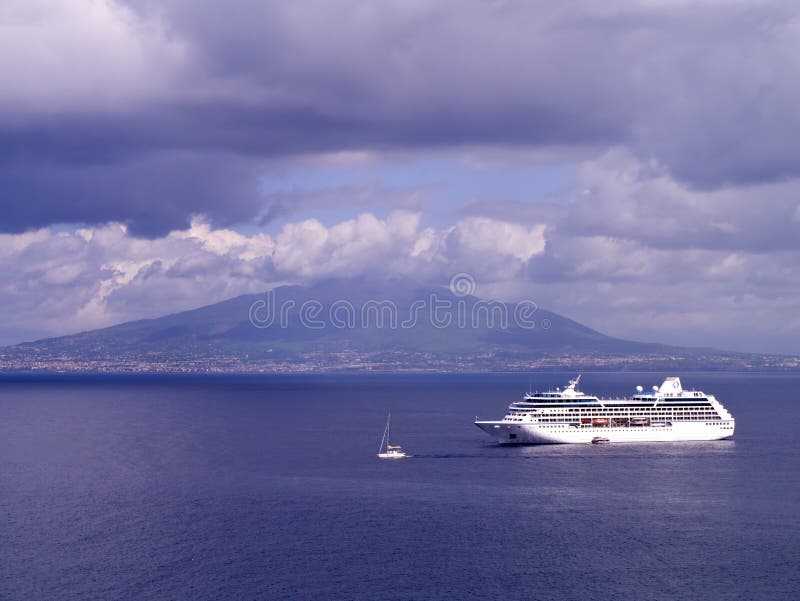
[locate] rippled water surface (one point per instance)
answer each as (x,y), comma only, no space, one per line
(241,487)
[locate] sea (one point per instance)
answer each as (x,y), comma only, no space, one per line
(268,487)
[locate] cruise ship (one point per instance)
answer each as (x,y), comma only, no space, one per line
(668,413)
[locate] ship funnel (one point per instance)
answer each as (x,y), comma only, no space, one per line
(671,385)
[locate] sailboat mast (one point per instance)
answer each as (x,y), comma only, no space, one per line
(385,437)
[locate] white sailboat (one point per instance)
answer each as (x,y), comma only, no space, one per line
(390,452)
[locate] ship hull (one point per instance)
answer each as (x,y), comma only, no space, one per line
(516,433)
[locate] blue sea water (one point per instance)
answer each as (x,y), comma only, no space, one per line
(243,487)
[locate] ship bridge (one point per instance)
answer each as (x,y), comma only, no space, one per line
(570,395)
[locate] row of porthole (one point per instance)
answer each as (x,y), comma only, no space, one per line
(620,427)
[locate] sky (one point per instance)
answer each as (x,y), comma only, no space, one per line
(631,165)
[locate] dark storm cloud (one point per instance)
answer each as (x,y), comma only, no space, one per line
(710,92)
(152,193)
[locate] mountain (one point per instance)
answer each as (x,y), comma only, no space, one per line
(349,325)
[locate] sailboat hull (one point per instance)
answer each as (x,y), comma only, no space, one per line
(392,455)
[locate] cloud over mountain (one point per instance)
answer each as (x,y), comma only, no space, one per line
(63,281)
(630,164)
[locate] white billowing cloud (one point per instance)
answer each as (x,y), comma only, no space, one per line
(69,281)
(96,52)
(638,256)
(11,245)
(738,301)
(625,197)
(397,246)
(60,282)
(301,246)
(225,241)
(635,253)
(370,243)
(428,244)
(479,235)
(491,249)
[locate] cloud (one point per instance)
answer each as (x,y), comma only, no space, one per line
(624,197)
(492,250)
(73,55)
(152,193)
(704,297)
(148,113)
(59,282)
(152,130)
(618,196)
(637,253)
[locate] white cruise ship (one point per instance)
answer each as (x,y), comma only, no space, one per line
(668,413)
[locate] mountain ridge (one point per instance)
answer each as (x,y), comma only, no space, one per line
(341,324)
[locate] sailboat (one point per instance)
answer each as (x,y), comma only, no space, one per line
(390,452)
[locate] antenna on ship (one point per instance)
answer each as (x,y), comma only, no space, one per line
(573,384)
